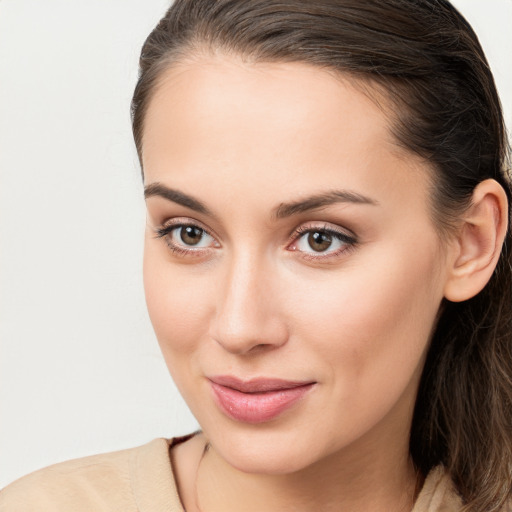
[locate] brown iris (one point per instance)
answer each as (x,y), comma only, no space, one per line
(191,235)
(319,241)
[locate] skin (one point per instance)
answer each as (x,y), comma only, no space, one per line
(254,299)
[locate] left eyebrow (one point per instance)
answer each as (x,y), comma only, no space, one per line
(319,201)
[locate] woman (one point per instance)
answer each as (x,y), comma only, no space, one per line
(327,265)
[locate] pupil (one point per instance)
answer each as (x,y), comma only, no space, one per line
(319,241)
(191,235)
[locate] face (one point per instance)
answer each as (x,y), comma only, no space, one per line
(292,271)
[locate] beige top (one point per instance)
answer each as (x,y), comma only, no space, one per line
(141,480)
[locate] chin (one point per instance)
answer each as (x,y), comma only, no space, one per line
(265,451)
(266,464)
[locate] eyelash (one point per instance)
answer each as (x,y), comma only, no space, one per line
(349,241)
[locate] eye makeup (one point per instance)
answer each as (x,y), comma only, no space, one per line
(187,237)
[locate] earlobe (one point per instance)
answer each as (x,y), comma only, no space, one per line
(478,242)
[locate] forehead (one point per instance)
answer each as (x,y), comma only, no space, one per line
(292,98)
(283,126)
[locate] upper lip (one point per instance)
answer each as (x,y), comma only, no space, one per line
(257,385)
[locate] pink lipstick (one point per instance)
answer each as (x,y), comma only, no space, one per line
(257,400)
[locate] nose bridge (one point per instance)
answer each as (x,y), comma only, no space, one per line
(246,313)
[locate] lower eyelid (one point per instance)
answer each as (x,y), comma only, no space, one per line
(181,250)
(327,259)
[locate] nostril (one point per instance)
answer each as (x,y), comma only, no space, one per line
(261,346)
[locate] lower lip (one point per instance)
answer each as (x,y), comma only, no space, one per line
(256,407)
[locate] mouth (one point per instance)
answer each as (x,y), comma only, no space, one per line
(257,400)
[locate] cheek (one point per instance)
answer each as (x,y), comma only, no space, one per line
(367,331)
(174,301)
(371,318)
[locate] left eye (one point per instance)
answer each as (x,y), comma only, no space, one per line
(322,241)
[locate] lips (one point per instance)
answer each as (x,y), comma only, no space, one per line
(256,400)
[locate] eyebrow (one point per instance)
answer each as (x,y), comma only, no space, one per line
(282,211)
(321,200)
(157,189)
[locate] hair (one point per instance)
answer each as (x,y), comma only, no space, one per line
(428,61)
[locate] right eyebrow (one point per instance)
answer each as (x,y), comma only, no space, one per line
(176,196)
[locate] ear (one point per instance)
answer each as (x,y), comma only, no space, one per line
(478,243)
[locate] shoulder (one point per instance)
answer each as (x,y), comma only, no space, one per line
(121,480)
(438,494)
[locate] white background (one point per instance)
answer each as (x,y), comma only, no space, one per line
(80,369)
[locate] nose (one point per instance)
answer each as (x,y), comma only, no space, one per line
(248,316)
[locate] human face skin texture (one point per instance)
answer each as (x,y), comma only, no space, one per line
(340,291)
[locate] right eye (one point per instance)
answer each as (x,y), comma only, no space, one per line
(190,236)
(186,237)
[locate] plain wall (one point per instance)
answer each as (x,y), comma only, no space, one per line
(80,369)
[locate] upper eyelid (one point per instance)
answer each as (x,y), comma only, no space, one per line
(185,221)
(327,227)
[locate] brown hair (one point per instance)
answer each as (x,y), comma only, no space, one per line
(428,60)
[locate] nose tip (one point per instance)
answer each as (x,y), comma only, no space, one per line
(239,337)
(248,317)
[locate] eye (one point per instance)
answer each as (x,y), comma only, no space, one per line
(322,242)
(186,238)
(319,241)
(190,236)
